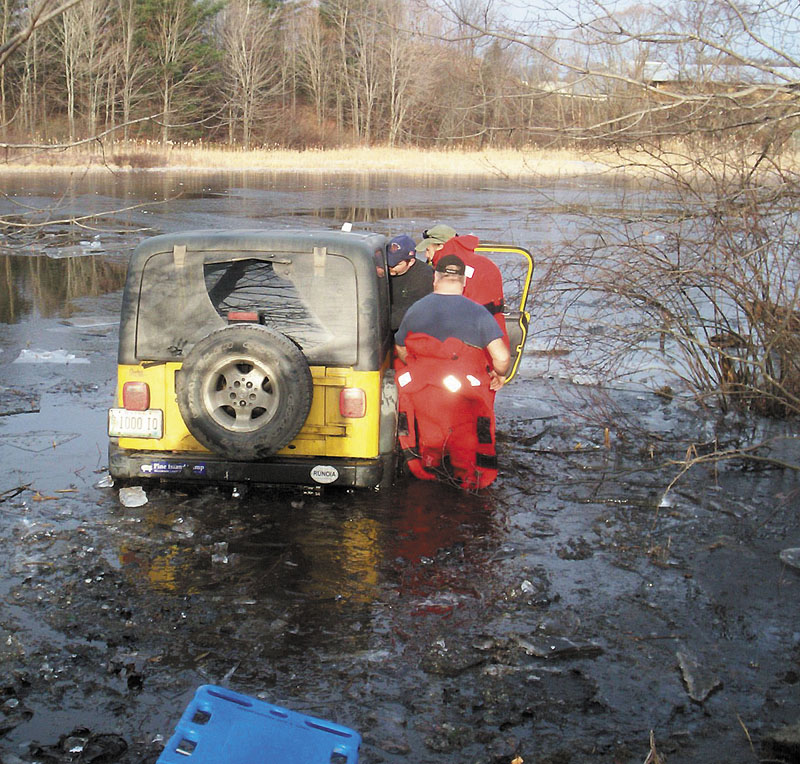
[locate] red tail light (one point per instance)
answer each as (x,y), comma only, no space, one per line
(242,317)
(136,396)
(353,403)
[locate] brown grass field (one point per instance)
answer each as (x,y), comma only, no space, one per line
(528,163)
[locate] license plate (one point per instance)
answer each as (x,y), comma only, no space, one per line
(135,424)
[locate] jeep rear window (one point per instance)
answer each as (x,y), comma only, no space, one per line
(253,285)
(312,301)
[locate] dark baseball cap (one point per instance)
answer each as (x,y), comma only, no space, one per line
(452,265)
(400,248)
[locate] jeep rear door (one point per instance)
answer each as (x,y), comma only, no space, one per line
(516,265)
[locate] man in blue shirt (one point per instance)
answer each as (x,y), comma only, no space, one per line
(447,313)
(452,360)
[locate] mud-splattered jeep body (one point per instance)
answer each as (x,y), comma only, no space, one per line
(257,356)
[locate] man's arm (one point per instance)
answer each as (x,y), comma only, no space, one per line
(501,358)
(501,362)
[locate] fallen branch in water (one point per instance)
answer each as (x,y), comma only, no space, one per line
(653,756)
(750,453)
(12,492)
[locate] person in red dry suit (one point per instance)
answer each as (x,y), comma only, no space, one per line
(484,279)
(452,360)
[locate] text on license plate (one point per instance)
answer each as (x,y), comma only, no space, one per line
(135,424)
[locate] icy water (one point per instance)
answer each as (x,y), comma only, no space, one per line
(562,616)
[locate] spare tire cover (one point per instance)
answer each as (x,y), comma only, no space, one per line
(244,391)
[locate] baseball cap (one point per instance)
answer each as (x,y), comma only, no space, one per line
(452,265)
(439,234)
(398,249)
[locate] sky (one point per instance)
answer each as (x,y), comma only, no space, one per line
(764,30)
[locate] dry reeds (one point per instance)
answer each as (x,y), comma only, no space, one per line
(526,163)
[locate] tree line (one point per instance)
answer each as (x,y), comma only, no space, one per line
(253,72)
(300,73)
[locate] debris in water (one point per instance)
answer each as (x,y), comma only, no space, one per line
(39,497)
(558,647)
(84,746)
(75,743)
(12,492)
(665,392)
(186,526)
(220,553)
(653,756)
(48,356)
(13,717)
(791,557)
(450,660)
(18,402)
(132,496)
(700,683)
(105,482)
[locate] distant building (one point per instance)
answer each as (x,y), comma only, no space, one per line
(720,77)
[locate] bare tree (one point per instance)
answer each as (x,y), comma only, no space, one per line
(39,14)
(86,43)
(359,27)
(129,58)
(702,274)
(314,52)
(5,31)
(176,37)
(39,53)
(403,68)
(251,61)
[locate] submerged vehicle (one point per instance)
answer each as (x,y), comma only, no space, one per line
(263,356)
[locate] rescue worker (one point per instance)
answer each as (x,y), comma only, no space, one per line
(433,239)
(411,279)
(455,360)
(484,279)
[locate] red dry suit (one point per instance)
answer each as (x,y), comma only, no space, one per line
(446,412)
(484,279)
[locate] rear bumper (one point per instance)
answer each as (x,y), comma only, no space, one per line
(211,468)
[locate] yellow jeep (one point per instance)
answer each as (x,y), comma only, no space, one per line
(258,356)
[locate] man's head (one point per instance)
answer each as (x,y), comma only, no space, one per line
(400,254)
(433,239)
(449,276)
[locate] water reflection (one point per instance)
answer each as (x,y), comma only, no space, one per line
(438,548)
(356,214)
(209,184)
(46,287)
(137,204)
(302,573)
(429,520)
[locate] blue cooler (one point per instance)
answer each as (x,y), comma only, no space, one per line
(220,726)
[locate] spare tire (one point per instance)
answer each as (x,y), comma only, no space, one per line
(244,391)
